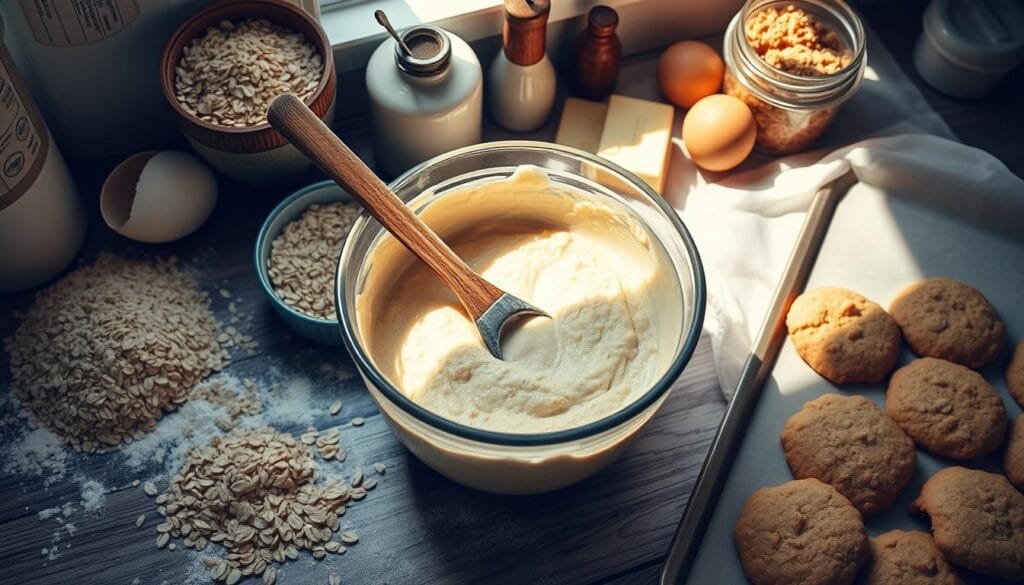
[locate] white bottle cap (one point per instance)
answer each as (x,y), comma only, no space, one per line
(966,46)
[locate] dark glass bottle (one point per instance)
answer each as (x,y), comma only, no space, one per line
(598,55)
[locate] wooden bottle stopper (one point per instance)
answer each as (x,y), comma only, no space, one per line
(598,55)
(525,30)
(602,20)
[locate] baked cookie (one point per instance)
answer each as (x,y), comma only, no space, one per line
(1015,374)
(851,444)
(843,336)
(977,519)
(946,408)
(1013,457)
(907,558)
(802,532)
(947,319)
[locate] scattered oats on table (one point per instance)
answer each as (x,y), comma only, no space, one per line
(304,257)
(231,74)
(254,492)
(104,351)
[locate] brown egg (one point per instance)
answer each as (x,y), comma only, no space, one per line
(688,71)
(719,132)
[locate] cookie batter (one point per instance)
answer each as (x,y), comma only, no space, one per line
(599,274)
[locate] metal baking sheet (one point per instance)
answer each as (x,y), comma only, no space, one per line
(875,244)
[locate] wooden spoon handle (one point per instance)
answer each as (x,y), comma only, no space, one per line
(289,116)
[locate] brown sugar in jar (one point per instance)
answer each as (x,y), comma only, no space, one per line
(793,63)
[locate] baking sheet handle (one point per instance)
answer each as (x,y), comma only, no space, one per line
(759,364)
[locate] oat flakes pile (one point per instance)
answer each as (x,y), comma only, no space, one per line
(254,492)
(304,257)
(230,74)
(104,351)
(795,42)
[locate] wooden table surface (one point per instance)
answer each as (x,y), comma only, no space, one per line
(418,527)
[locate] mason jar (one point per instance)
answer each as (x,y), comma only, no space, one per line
(792,110)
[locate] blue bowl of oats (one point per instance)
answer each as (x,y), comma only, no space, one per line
(296,256)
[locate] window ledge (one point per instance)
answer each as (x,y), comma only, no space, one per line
(354,33)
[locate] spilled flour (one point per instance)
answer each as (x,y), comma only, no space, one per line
(94,496)
(218,405)
(37,453)
(92,499)
(61,518)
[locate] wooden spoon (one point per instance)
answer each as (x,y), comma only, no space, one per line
(490,307)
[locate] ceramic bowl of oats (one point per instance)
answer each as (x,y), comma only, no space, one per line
(224,65)
(296,257)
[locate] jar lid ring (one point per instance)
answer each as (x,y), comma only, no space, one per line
(430,51)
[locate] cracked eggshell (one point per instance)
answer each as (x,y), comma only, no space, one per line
(158,196)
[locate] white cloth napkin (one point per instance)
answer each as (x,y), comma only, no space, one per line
(745,226)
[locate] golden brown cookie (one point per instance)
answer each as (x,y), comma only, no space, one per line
(852,445)
(843,336)
(977,519)
(1013,457)
(946,408)
(1015,374)
(907,558)
(802,532)
(948,319)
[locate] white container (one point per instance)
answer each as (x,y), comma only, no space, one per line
(520,98)
(521,81)
(42,221)
(425,104)
(967,46)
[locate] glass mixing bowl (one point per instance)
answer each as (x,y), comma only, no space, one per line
(514,463)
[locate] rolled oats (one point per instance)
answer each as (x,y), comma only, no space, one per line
(304,257)
(231,74)
(254,491)
(104,351)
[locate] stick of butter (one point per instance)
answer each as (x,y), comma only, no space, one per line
(582,124)
(637,135)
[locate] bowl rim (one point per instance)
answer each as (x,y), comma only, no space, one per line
(657,390)
(168,63)
(264,237)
